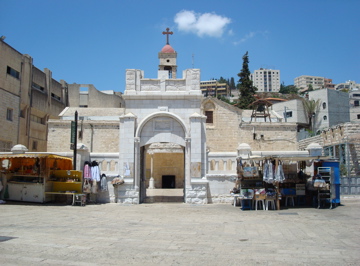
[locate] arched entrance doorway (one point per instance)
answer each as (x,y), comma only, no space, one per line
(163,159)
(164,172)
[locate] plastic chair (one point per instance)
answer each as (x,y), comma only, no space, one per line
(260,202)
(270,203)
(287,197)
(259,199)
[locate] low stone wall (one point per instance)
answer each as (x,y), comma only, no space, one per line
(220,186)
(350,185)
(197,193)
(126,194)
(302,144)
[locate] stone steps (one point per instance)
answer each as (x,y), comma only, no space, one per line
(164,195)
(158,199)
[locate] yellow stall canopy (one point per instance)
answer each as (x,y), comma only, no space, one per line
(34,162)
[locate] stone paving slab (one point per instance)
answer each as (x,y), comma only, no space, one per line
(178,234)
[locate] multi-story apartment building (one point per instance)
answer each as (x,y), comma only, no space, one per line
(29,97)
(348,85)
(214,88)
(303,82)
(266,80)
(328,84)
(355,105)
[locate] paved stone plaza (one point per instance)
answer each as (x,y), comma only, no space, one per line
(178,234)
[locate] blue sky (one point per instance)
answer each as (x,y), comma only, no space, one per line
(94,42)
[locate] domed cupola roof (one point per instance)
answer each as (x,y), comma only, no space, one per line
(167,49)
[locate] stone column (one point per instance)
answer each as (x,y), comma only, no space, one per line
(187,163)
(151,182)
(137,164)
(127,146)
(198,146)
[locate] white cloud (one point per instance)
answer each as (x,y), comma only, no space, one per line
(249,36)
(245,38)
(206,24)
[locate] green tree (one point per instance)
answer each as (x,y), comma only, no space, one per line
(222,80)
(232,83)
(245,85)
(311,108)
(289,89)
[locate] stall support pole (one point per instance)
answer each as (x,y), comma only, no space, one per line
(75,140)
(277,187)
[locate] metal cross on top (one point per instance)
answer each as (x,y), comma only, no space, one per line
(167,32)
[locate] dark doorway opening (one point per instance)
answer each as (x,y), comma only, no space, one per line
(168,181)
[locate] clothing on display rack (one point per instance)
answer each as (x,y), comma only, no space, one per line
(279,173)
(95,171)
(92,177)
(103,183)
(268,172)
(87,170)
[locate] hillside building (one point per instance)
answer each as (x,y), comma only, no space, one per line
(214,88)
(355,105)
(29,97)
(266,80)
(348,85)
(303,82)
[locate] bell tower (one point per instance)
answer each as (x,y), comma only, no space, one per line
(167,57)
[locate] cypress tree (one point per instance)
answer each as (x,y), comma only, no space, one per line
(245,85)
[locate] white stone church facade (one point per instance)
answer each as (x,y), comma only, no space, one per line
(160,137)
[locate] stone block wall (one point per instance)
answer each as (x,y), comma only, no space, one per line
(219,188)
(98,136)
(269,136)
(197,193)
(302,144)
(94,99)
(9,129)
(226,121)
(126,194)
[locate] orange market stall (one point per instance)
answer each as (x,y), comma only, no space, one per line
(36,177)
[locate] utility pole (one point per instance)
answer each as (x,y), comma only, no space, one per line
(73,138)
(285,114)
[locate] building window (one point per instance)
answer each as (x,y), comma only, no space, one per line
(9,114)
(13,72)
(23,113)
(325,117)
(54,96)
(289,114)
(38,87)
(324,105)
(209,117)
(34,145)
(37,119)
(356,103)
(358,116)
(5,146)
